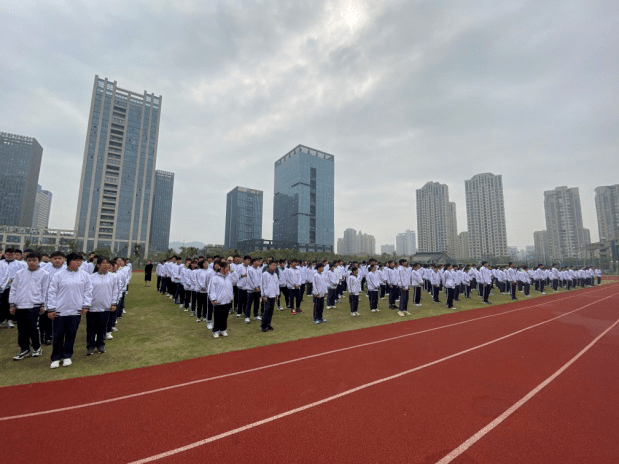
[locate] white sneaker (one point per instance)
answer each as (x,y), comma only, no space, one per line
(209,326)
(247,321)
(400,313)
(125,312)
(10,325)
(225,333)
(198,320)
(55,365)
(238,315)
(353,314)
(114,329)
(407,313)
(257,318)
(204,319)
(108,336)
(186,309)
(280,308)
(66,362)
(373,310)
(215,334)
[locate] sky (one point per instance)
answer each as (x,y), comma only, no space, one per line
(400,92)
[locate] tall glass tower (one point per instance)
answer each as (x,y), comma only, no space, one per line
(20,163)
(118,173)
(162,211)
(243,216)
(303,206)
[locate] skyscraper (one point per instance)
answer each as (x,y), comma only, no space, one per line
(607,207)
(542,248)
(303,205)
(485,214)
(406,243)
(463,250)
(20,162)
(118,173)
(435,220)
(243,216)
(42,207)
(566,235)
(162,211)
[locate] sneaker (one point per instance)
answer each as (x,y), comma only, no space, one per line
(377,310)
(192,314)
(36,353)
(215,334)
(108,336)
(101,349)
(186,309)
(10,325)
(257,318)
(358,314)
(323,320)
(114,329)
(90,351)
(66,362)
(353,314)
(292,311)
(238,315)
(383,298)
(204,319)
(373,310)
(264,329)
(280,308)
(209,325)
(21,355)
(299,310)
(199,319)
(328,307)
(125,312)
(225,333)
(180,306)
(400,313)
(55,365)
(407,313)
(316,322)
(247,321)
(270,327)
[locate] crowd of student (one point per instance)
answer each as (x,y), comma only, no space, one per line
(46,296)
(212,288)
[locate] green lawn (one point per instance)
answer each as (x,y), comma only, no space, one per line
(154,331)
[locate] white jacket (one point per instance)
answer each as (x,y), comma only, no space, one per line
(69,292)
(29,288)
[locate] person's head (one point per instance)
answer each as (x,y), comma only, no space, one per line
(44,258)
(255,262)
(416,266)
(17,254)
(403,262)
(74,261)
(33,260)
(149,262)
(320,267)
(372,267)
(282,263)
(354,270)
(247,260)
(187,262)
(9,254)
(237,259)
(224,266)
(57,258)
(272,266)
(204,264)
(294,263)
(103,263)
(485,264)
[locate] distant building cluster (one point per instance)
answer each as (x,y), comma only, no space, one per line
(356,243)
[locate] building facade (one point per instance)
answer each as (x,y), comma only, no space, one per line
(542,248)
(47,240)
(118,172)
(607,208)
(567,238)
(406,243)
(485,213)
(435,219)
(356,243)
(243,216)
(161,216)
(463,250)
(20,163)
(303,204)
(42,208)
(387,249)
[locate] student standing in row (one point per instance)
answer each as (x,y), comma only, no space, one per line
(320,288)
(270,290)
(354,287)
(374,284)
(104,299)
(221,294)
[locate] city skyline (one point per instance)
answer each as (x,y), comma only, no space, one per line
(447,103)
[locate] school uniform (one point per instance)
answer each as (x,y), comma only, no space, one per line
(269,289)
(243,286)
(485,278)
(374,283)
(510,274)
(253,284)
(293,283)
(449,282)
(221,294)
(320,287)
(416,282)
(283,289)
(403,281)
(354,287)
(105,293)
(332,281)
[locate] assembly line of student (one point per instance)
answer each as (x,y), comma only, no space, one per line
(213,288)
(47,296)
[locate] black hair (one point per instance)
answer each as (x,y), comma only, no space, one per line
(57,253)
(246,257)
(100,260)
(34,254)
(74,257)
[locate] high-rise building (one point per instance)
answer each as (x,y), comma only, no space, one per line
(463,250)
(366,244)
(566,235)
(42,207)
(303,205)
(542,247)
(387,249)
(243,216)
(349,243)
(356,243)
(607,207)
(161,216)
(20,162)
(118,173)
(485,214)
(406,243)
(435,219)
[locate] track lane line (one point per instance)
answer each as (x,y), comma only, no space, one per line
(269,366)
(496,422)
(351,391)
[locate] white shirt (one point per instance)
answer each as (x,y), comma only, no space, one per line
(104,292)
(69,292)
(29,288)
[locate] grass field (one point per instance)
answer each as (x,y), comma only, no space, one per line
(154,331)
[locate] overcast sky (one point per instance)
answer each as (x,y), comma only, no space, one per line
(401,92)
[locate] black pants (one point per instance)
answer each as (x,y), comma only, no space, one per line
(96,325)
(486,293)
(373,295)
(45,327)
(28,328)
(282,291)
(541,285)
(403,299)
(235,301)
(450,297)
(5,315)
(194,300)
(159,283)
(209,309)
(186,298)
(393,294)
(354,303)
(319,306)
(242,301)
(294,295)
(267,316)
(201,304)
(220,314)
(555,284)
(179,296)
(435,291)
(514,291)
(331,296)
(416,295)
(252,297)
(65,330)
(309,286)
(526,288)
(383,291)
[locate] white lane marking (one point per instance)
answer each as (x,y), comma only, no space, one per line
(268,366)
(347,392)
(496,422)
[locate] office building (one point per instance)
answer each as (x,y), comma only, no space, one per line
(303,204)
(567,237)
(542,248)
(607,208)
(42,207)
(435,219)
(243,217)
(485,213)
(356,243)
(406,243)
(387,249)
(20,162)
(161,216)
(118,173)
(463,251)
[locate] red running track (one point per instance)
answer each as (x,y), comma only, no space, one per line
(409,392)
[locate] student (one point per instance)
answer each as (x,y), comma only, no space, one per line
(512,278)
(320,289)
(211,270)
(354,287)
(186,288)
(416,282)
(69,297)
(242,272)
(148,273)
(283,289)
(269,288)
(332,281)
(449,282)
(293,282)
(374,283)
(403,280)
(485,276)
(201,286)
(105,293)
(221,294)
(253,283)
(435,281)
(26,301)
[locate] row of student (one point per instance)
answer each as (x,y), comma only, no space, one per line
(47,299)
